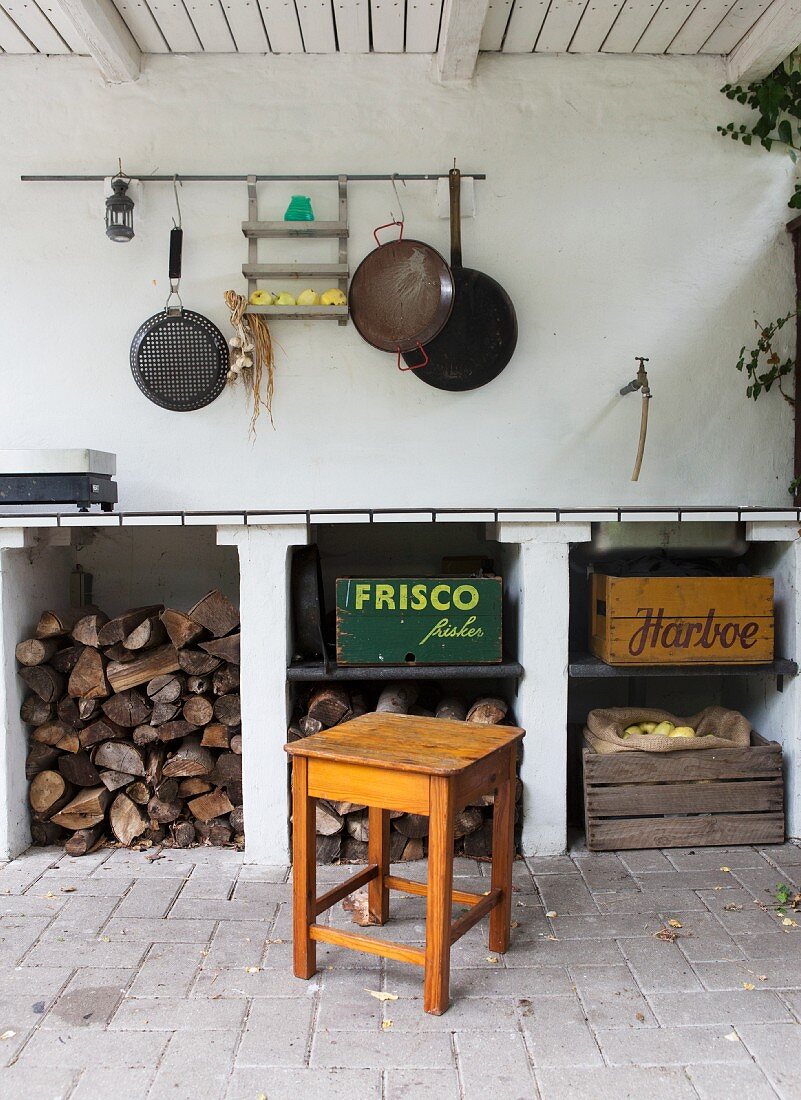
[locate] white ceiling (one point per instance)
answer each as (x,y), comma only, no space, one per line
(393,26)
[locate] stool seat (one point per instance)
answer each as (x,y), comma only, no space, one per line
(418,765)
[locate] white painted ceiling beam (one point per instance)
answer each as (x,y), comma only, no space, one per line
(107,38)
(772,38)
(459,39)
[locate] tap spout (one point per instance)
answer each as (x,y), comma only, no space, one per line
(640,382)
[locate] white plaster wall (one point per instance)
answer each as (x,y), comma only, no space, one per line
(620,222)
(134,566)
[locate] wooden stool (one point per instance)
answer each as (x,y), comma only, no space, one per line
(422,766)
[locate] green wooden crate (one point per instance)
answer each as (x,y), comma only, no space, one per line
(420,620)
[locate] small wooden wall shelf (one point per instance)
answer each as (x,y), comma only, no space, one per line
(255,230)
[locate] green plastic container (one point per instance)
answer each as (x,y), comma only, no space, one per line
(299,209)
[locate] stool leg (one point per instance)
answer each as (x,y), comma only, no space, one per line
(304,870)
(378,852)
(503,843)
(440,886)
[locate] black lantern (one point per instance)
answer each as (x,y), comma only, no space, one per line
(119,212)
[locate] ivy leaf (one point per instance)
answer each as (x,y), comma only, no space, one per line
(785,132)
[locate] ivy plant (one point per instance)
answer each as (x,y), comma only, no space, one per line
(762,364)
(776,100)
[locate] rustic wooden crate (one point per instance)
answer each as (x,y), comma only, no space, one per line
(419,620)
(681,620)
(696,798)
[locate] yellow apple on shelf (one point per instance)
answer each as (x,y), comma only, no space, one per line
(682,731)
(261,298)
(629,730)
(647,727)
(308,298)
(284,299)
(334,297)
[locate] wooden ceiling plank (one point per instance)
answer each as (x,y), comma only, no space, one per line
(594,26)
(422,25)
(560,25)
(459,39)
(12,39)
(317,25)
(525,25)
(387,17)
(495,24)
(353,25)
(775,35)
(139,20)
(110,44)
(737,22)
(244,19)
(176,26)
(628,28)
(702,22)
(35,26)
(665,25)
(211,26)
(282,26)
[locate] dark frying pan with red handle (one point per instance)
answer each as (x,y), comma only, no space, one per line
(400,296)
(480,336)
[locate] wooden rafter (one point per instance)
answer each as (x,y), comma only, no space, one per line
(107,38)
(459,39)
(772,38)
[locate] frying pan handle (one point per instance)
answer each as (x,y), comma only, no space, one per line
(455,190)
(414,366)
(387,226)
(176,249)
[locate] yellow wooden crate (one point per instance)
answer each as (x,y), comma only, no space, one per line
(681,620)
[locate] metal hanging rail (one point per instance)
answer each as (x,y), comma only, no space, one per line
(146,178)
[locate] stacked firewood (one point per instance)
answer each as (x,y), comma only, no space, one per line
(342,827)
(136,733)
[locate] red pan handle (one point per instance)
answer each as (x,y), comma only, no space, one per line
(387,226)
(455,190)
(414,366)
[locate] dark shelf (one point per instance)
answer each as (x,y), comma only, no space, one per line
(582,666)
(311,671)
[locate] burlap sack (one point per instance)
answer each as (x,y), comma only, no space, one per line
(715,727)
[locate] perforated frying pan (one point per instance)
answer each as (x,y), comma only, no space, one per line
(480,336)
(179,359)
(400,296)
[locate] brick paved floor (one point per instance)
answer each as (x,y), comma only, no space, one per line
(124,977)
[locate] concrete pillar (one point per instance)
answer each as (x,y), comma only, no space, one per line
(777,715)
(538,583)
(265,609)
(33,576)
